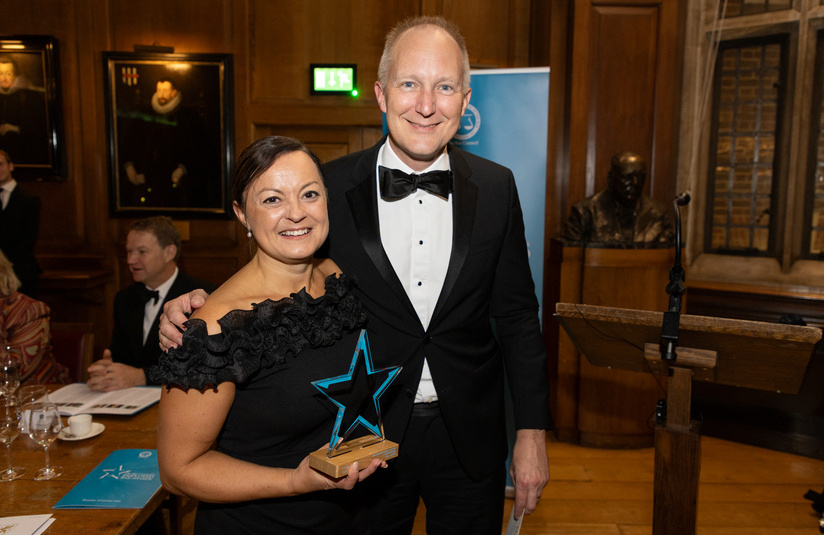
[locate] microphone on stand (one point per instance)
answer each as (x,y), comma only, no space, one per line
(676,288)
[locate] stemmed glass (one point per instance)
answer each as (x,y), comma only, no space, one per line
(9,430)
(44,426)
(9,373)
(27,395)
(33,394)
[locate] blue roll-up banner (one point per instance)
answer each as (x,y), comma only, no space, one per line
(506,122)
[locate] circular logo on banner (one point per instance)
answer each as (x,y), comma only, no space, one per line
(470,123)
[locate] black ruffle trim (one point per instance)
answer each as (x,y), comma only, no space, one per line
(267,335)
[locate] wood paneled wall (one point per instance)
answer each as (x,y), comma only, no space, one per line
(272,43)
(616,76)
(615,85)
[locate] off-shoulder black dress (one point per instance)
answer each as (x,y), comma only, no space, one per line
(273,353)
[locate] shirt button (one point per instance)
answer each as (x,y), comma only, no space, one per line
(420,242)
(420,283)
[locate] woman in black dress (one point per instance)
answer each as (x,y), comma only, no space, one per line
(239,414)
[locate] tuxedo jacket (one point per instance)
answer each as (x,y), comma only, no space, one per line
(127,344)
(19,224)
(485,321)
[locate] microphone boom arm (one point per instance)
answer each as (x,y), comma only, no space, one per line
(676,289)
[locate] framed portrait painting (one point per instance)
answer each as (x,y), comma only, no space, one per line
(30,115)
(169,132)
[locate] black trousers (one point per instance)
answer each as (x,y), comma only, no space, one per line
(427,467)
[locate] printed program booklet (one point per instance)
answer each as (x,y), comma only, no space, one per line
(78,399)
(126,479)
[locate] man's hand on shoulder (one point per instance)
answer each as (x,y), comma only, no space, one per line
(175,313)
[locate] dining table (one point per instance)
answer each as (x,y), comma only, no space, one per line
(25,496)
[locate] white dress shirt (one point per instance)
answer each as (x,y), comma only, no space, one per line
(151,308)
(416,233)
(8,187)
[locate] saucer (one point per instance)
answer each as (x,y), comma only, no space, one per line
(66,434)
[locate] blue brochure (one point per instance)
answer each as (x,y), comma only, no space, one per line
(126,479)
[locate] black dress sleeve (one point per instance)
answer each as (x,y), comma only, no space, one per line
(267,335)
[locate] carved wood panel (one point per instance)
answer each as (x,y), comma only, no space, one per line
(625,72)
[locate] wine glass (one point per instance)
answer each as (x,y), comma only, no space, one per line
(9,372)
(33,394)
(9,430)
(44,426)
(27,395)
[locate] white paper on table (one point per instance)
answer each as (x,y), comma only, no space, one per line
(25,525)
(76,398)
(513,527)
(44,527)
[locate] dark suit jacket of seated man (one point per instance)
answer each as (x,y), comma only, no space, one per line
(152,251)
(127,344)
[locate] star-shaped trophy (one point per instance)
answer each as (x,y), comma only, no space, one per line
(357,395)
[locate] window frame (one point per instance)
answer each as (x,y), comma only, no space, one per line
(778,170)
(815,132)
(788,270)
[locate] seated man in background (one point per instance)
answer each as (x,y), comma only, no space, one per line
(24,327)
(152,252)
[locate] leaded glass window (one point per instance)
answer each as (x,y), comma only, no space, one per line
(746,119)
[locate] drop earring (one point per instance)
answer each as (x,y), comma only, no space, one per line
(248,232)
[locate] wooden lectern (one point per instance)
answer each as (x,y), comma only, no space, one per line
(765,356)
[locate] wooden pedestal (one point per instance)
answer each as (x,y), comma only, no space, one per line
(602,407)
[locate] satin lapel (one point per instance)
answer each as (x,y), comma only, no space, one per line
(464,204)
(135,322)
(363,205)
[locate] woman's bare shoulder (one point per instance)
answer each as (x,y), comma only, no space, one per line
(327,266)
(229,296)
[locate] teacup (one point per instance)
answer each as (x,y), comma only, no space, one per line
(80,425)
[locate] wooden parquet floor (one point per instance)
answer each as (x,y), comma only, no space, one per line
(743,490)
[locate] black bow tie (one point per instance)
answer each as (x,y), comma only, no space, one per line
(397,184)
(146,294)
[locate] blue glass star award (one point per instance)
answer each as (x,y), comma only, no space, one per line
(357,395)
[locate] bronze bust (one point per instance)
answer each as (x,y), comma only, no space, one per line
(621,215)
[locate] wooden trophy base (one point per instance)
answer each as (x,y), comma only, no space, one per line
(338,466)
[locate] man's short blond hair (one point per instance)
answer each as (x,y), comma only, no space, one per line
(387,58)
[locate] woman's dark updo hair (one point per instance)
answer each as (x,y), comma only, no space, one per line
(260,156)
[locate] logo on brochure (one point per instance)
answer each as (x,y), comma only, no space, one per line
(470,123)
(126,474)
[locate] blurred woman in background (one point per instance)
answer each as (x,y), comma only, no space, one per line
(24,326)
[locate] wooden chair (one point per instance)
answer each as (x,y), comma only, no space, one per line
(73,347)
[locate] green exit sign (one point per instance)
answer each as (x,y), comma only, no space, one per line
(333,79)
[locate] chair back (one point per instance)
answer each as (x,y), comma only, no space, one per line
(73,347)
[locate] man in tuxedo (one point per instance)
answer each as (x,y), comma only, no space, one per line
(152,253)
(433,269)
(438,259)
(19,224)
